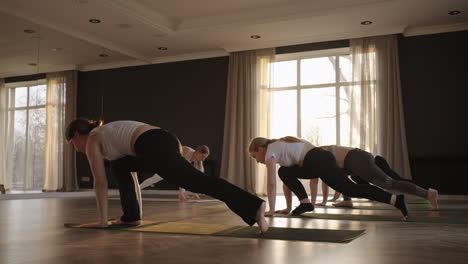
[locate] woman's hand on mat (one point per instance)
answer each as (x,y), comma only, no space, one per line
(194,197)
(283,211)
(183,198)
(95,225)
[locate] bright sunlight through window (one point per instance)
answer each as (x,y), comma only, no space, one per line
(309,97)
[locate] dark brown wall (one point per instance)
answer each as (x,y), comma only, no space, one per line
(187,98)
(434,78)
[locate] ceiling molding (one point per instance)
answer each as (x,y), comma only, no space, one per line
(144,14)
(75,33)
(318,38)
(158,60)
(416,31)
(275,14)
(191,56)
(41,69)
(111,65)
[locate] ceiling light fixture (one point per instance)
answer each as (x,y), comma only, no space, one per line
(454,12)
(255,37)
(162,48)
(29,31)
(95,21)
(366,23)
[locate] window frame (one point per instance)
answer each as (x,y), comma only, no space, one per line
(298,87)
(11,110)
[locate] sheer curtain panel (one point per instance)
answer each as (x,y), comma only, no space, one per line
(5,144)
(376,108)
(242,116)
(60,169)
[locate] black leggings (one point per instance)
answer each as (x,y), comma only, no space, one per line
(157,151)
(322,163)
(382,163)
(121,170)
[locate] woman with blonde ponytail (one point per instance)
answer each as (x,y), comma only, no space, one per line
(305,161)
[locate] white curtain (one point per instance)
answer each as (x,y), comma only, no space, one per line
(5,153)
(242,116)
(264,84)
(376,109)
(60,169)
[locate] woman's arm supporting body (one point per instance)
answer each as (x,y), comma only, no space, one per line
(96,163)
(271,185)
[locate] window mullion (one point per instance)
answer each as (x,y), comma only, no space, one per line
(26,141)
(337,100)
(298,94)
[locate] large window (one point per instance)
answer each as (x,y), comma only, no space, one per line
(309,96)
(27,115)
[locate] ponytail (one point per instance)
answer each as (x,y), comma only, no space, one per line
(81,125)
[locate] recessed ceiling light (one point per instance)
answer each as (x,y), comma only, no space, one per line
(366,23)
(454,12)
(162,48)
(255,37)
(103,55)
(29,31)
(95,21)
(56,49)
(32,64)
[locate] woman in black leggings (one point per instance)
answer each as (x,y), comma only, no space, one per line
(313,162)
(365,167)
(134,146)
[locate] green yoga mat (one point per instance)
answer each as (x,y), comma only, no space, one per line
(277,233)
(395,218)
(411,207)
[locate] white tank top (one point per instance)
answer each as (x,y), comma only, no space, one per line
(288,154)
(116,138)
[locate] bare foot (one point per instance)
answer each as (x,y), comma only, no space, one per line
(260,217)
(348,204)
(321,204)
(432,196)
(283,211)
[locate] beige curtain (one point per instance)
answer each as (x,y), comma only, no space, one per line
(376,109)
(242,116)
(264,84)
(60,169)
(5,157)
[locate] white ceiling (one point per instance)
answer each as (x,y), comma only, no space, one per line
(131,31)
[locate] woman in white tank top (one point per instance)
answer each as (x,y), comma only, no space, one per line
(131,146)
(310,162)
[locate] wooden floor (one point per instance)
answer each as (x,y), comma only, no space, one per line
(31,231)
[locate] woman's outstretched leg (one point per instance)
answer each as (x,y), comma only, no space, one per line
(362,163)
(323,163)
(158,152)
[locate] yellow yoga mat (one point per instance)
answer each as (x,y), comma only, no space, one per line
(110,225)
(185,228)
